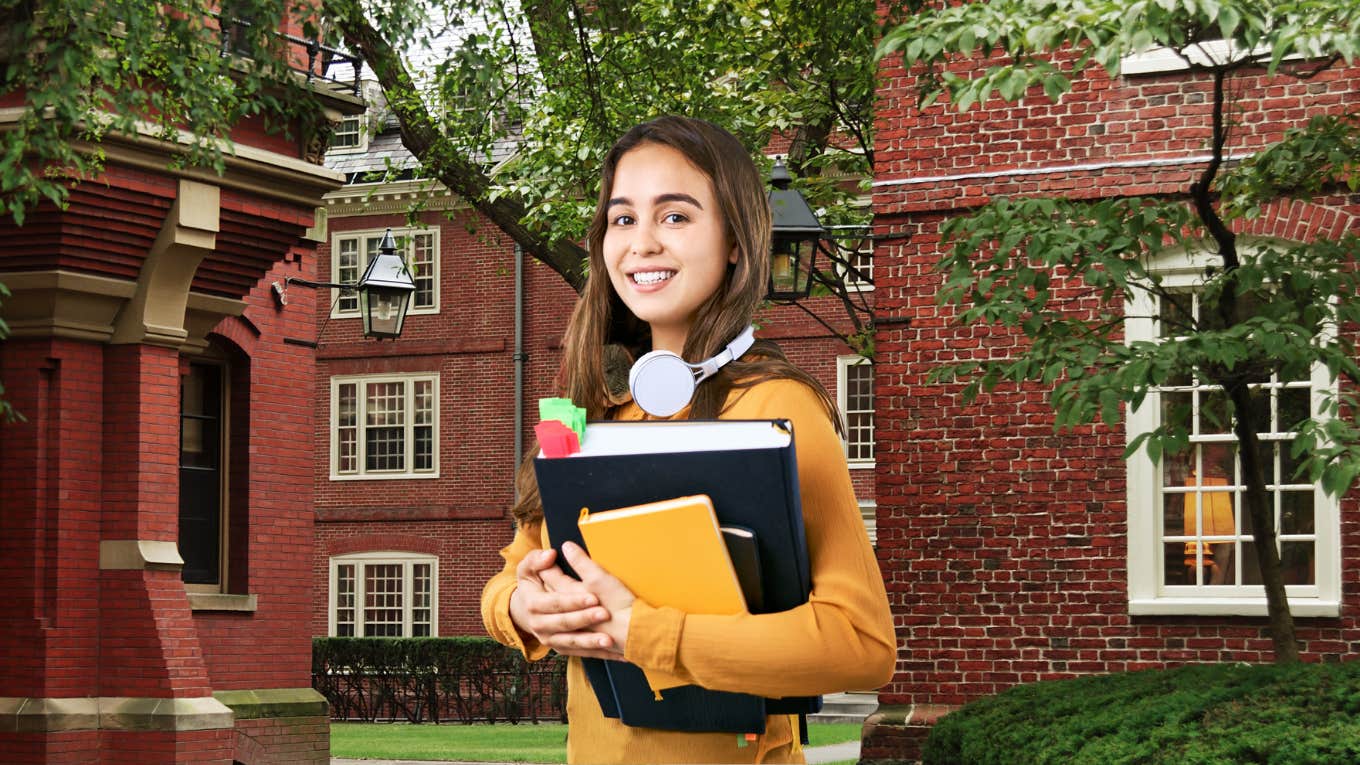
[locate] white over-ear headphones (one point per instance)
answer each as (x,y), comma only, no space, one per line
(663,383)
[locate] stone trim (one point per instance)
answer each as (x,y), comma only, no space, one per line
(221,601)
(66,304)
(47,715)
(275,702)
(156,313)
(134,554)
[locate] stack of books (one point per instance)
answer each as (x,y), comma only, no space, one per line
(704,516)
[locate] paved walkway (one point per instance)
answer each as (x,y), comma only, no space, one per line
(816,755)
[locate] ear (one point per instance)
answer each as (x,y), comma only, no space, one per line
(732,255)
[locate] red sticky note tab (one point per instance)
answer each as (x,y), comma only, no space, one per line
(556,439)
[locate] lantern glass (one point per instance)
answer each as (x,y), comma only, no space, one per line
(791,267)
(384,311)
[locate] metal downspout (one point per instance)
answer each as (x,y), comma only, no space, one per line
(520,358)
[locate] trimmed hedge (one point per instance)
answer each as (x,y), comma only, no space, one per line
(1222,713)
(466,679)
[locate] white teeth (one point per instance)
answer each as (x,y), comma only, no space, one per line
(652,277)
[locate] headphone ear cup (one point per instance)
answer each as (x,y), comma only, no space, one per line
(661,383)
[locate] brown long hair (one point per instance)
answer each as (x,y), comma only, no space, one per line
(603,337)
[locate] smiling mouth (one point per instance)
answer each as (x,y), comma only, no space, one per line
(651,277)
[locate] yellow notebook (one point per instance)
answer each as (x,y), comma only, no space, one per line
(669,553)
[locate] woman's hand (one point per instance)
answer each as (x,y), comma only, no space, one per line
(560,615)
(612,594)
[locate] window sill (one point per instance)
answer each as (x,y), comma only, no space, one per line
(861,465)
(384,477)
(1228,607)
(218,601)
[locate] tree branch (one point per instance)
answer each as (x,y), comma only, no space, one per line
(423,139)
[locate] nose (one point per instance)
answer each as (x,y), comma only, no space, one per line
(645,241)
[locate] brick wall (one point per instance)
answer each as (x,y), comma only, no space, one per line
(1004,544)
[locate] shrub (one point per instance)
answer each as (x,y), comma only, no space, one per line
(467,679)
(1222,714)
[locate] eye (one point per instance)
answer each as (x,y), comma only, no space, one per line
(622,220)
(675,217)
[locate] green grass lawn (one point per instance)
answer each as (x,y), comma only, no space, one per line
(490,743)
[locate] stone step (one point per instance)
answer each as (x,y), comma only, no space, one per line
(845,708)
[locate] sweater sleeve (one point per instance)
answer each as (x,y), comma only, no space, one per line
(841,639)
(496,595)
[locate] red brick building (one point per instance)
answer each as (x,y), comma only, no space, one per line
(1013,554)
(156,500)
(417,440)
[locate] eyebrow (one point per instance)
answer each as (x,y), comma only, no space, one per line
(660,199)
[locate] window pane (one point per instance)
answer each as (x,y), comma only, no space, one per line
(346,135)
(1296,512)
(1176,468)
(1179,568)
(423,436)
(1173,514)
(344,600)
(347,271)
(386,404)
(1213,416)
(424,405)
(1219,463)
(1176,407)
(420,599)
(347,431)
(1296,563)
(1294,407)
(385,449)
(422,268)
(1289,465)
(385,431)
(383,600)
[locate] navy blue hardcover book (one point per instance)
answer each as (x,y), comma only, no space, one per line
(749,469)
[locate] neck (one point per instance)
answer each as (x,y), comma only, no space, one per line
(669,339)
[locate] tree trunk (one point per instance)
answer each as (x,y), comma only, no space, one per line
(1246,414)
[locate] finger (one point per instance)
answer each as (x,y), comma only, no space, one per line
(552,603)
(581,643)
(536,561)
(557,580)
(579,559)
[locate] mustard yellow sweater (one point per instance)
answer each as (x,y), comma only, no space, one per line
(841,639)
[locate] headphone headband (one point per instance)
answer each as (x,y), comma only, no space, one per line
(662,383)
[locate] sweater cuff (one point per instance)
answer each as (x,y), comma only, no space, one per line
(516,638)
(654,637)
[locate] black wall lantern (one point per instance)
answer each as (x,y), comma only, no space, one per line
(793,252)
(384,290)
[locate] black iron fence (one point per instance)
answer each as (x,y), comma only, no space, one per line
(436,680)
(326,67)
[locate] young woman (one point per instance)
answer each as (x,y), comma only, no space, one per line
(679,257)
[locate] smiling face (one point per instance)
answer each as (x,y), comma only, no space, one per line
(665,247)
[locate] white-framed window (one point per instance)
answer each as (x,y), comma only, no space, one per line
(855,396)
(1191,549)
(348,135)
(352,250)
(385,426)
(384,594)
(859,253)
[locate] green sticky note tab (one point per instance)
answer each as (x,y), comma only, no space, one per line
(565,412)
